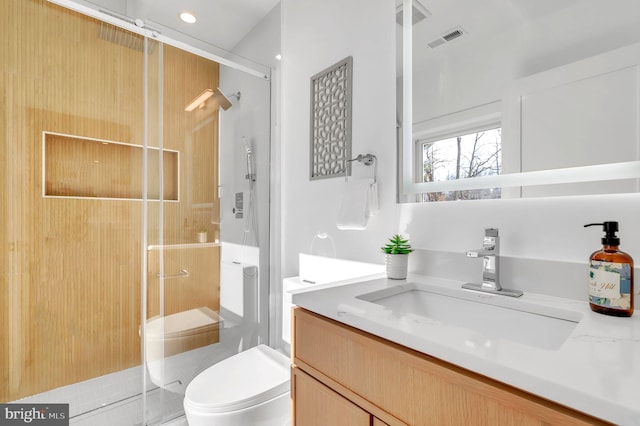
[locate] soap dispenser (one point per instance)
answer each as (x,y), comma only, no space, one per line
(610,275)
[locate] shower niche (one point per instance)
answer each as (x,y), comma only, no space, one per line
(81,167)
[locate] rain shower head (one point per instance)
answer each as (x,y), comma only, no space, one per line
(122,37)
(217,95)
(223,100)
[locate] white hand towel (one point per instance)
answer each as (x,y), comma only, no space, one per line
(373,198)
(356,205)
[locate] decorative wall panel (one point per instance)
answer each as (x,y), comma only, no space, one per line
(331,121)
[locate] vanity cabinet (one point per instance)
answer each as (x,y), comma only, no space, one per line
(341,372)
(318,405)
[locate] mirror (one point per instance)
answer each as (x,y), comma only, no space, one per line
(544,93)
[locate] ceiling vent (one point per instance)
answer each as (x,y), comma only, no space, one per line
(418,12)
(447,37)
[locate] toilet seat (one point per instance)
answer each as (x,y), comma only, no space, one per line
(246,379)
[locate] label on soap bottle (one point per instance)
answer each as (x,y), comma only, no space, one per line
(610,284)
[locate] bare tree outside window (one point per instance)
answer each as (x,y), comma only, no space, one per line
(461,157)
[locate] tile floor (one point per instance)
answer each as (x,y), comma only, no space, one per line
(116,399)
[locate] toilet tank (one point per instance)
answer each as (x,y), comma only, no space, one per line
(239,290)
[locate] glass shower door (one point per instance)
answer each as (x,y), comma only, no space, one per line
(70,114)
(181,294)
(206,283)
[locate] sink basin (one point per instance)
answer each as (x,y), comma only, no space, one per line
(493,317)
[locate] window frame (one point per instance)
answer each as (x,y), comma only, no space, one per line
(421,142)
(463,122)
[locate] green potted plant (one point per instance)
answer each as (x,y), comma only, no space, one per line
(397,252)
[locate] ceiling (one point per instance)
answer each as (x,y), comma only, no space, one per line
(223,23)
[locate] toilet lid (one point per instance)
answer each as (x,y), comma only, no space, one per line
(243,380)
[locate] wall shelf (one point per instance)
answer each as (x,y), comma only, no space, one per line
(80,167)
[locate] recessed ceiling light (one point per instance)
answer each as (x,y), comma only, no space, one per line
(279,57)
(187,17)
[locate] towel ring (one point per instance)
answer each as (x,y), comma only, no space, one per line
(367,160)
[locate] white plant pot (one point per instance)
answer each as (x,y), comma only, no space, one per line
(397,266)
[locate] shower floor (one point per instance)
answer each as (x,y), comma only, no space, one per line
(116,399)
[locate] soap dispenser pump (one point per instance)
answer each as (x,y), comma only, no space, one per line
(610,275)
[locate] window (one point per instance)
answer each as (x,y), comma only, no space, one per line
(461,156)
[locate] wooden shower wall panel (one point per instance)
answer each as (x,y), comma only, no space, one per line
(70,295)
(195,135)
(204,156)
(4,244)
(181,293)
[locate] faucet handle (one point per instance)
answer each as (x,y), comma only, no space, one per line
(491,239)
(491,266)
(491,232)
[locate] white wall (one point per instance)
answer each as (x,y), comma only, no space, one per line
(317,34)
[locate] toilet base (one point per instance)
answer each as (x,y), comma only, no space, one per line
(274,412)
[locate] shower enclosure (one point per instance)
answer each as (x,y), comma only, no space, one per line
(117,215)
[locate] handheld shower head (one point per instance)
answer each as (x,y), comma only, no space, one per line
(251,176)
(247,144)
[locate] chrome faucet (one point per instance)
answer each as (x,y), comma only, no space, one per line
(490,253)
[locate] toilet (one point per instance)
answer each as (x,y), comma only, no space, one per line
(252,387)
(249,388)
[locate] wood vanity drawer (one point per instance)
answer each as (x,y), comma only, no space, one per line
(383,377)
(318,405)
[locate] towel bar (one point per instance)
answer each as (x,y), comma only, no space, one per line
(183,273)
(367,160)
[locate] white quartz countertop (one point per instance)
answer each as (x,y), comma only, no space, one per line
(596,370)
